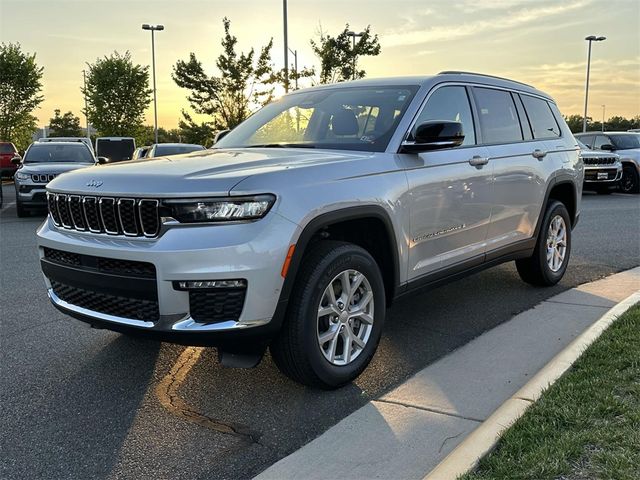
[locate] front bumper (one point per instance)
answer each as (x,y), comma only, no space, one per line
(252,251)
(602,174)
(31,194)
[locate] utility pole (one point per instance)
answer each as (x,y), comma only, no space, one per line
(286,47)
(86,112)
(590,38)
(153,29)
(603,107)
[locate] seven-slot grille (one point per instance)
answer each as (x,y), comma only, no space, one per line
(43,177)
(115,216)
(599,161)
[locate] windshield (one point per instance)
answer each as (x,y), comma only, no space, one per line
(625,142)
(344,118)
(72,153)
(176,149)
(115,150)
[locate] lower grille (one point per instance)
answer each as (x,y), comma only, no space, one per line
(108,304)
(215,306)
(102,264)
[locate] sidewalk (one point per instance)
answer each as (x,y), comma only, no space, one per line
(408,431)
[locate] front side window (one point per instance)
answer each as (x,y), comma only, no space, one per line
(449,103)
(541,118)
(50,153)
(499,120)
(600,141)
(341,118)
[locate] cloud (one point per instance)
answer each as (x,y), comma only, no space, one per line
(510,19)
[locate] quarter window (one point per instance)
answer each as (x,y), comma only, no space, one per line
(499,121)
(542,121)
(449,103)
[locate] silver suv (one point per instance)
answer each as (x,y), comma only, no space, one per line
(303,224)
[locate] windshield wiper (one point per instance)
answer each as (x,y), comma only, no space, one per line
(281,145)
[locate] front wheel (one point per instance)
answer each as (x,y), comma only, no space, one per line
(629,183)
(335,317)
(551,254)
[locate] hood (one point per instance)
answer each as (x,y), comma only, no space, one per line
(597,154)
(633,153)
(208,172)
(52,167)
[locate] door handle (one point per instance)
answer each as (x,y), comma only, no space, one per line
(478,161)
(539,154)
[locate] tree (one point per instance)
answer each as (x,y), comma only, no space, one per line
(242,85)
(67,125)
(339,58)
(117,95)
(20,86)
(192,132)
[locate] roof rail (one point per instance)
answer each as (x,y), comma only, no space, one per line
(483,75)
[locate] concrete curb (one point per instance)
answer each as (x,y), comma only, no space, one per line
(484,438)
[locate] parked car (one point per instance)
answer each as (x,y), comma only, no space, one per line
(42,162)
(7,152)
(115,149)
(298,235)
(625,144)
(140,152)
(85,140)
(166,149)
(602,170)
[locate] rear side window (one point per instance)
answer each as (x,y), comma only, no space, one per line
(499,120)
(543,123)
(449,103)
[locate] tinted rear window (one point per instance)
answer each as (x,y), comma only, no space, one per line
(115,150)
(47,152)
(7,148)
(542,121)
(499,121)
(176,149)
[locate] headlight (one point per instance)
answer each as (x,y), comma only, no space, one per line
(219,209)
(22,176)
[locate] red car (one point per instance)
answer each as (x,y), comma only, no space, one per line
(7,152)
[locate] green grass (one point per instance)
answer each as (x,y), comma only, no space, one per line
(586,425)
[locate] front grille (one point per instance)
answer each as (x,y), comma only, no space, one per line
(101,264)
(599,161)
(114,216)
(216,305)
(43,177)
(108,304)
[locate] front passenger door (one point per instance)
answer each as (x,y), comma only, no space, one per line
(451,199)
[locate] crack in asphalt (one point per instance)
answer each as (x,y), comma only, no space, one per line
(167,393)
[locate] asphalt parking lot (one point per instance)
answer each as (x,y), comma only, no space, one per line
(84,403)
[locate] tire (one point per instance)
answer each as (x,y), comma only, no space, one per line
(21,211)
(297,351)
(629,183)
(536,270)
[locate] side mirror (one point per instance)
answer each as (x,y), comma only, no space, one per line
(220,135)
(434,135)
(608,147)
(103,160)
(16,160)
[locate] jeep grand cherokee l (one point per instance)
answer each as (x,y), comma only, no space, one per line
(303,224)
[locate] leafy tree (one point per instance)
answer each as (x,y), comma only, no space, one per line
(574,122)
(20,86)
(339,58)
(146,135)
(244,83)
(192,132)
(614,124)
(117,95)
(67,125)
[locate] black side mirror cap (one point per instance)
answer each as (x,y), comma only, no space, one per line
(435,135)
(16,160)
(608,147)
(220,135)
(102,160)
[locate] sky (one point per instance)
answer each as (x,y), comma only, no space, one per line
(538,42)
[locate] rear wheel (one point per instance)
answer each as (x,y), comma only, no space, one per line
(335,317)
(551,254)
(629,183)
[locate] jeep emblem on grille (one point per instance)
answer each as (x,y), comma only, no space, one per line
(94,183)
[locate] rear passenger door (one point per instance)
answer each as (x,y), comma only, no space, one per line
(522,163)
(450,198)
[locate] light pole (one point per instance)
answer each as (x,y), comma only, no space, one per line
(353,35)
(154,28)
(286,47)
(603,107)
(86,112)
(590,38)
